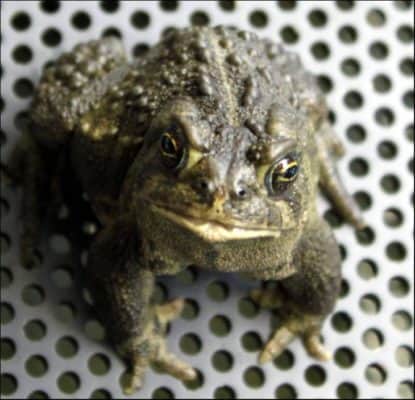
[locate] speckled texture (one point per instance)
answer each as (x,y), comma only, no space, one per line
(207,151)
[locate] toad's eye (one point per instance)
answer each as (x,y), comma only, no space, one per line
(281,173)
(173,149)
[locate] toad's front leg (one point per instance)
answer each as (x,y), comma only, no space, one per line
(307,297)
(122,289)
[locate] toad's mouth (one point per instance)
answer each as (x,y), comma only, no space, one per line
(213,230)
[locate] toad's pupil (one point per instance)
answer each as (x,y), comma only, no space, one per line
(168,145)
(291,172)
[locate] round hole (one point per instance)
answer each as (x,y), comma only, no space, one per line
(285,391)
(195,383)
(258,19)
(35,330)
(356,133)
(378,50)
(285,360)
(315,375)
(199,18)
(62,277)
(404,356)
(248,308)
(50,6)
(350,67)
(402,320)
(8,384)
(375,374)
(317,18)
(373,339)
(190,310)
(218,291)
(7,349)
(99,364)
(382,83)
(370,304)
(190,344)
(38,395)
(408,99)
(109,6)
(6,278)
(33,295)
(399,286)
(224,392)
(390,183)
(347,34)
(140,20)
(325,83)
(187,277)
(409,132)
(384,116)
(359,166)
(23,88)
(169,5)
(387,150)
(289,35)
(254,377)
(36,366)
(220,325)
(287,5)
(67,347)
(376,17)
(365,236)
(59,244)
(160,293)
(65,312)
(112,32)
(347,391)
(162,393)
(341,322)
(140,49)
(81,20)
(22,54)
(320,50)
(396,251)
(344,357)
(222,361)
(251,341)
(407,66)
(405,34)
(68,382)
(20,21)
(406,390)
(95,330)
(100,394)
(367,269)
(353,100)
(51,37)
(345,5)
(227,5)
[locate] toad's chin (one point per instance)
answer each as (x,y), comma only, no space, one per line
(215,231)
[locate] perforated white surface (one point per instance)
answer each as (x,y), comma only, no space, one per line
(51,344)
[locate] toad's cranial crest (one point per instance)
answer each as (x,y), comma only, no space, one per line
(208,150)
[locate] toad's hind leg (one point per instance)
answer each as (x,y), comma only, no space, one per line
(29,166)
(307,297)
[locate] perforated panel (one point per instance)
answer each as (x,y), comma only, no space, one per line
(51,343)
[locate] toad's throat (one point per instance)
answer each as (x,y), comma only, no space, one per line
(212,230)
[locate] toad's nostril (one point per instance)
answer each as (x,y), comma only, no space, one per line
(241,193)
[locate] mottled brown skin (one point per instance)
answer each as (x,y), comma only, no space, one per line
(238,106)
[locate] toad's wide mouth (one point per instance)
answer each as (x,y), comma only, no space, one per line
(212,230)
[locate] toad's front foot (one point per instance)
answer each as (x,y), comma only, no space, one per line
(151,347)
(306,326)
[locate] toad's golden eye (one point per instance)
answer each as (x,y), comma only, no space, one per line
(281,173)
(173,149)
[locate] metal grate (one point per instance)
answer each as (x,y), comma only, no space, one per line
(51,344)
